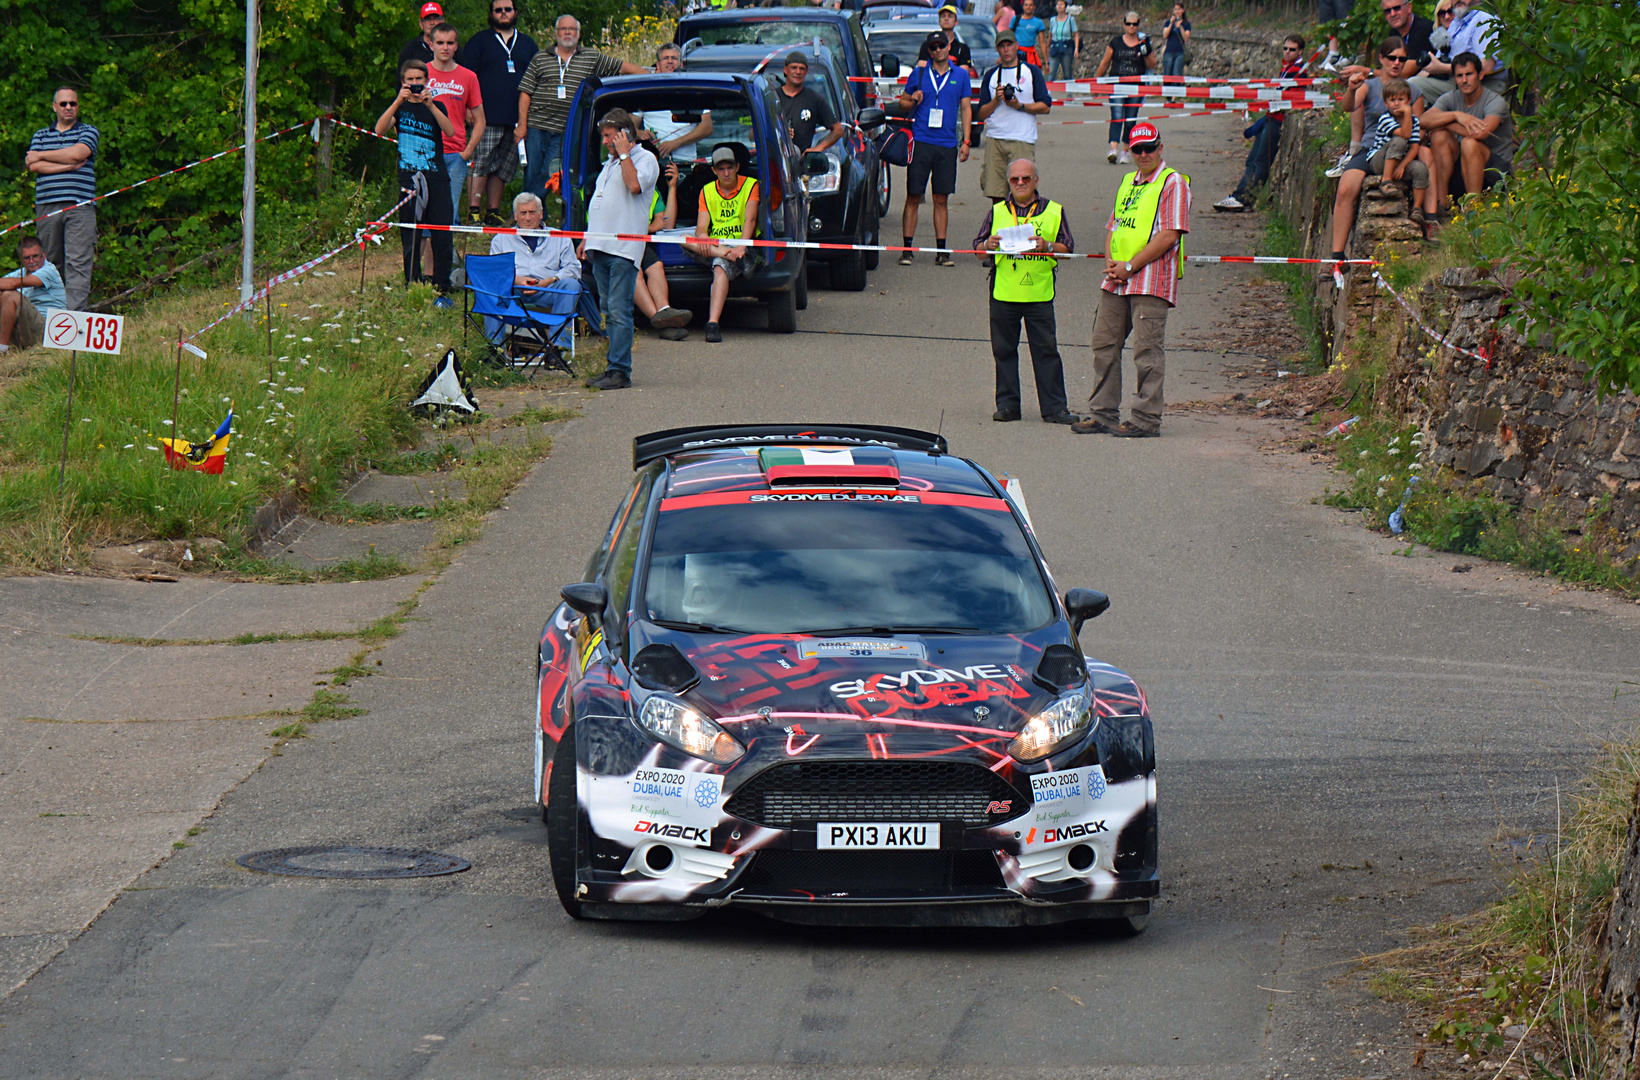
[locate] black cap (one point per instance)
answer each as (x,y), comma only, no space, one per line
(937,39)
(795,57)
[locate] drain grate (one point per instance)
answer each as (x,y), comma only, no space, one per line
(357,863)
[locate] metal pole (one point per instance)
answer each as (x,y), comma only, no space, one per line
(176,403)
(248,242)
(68,418)
(270,332)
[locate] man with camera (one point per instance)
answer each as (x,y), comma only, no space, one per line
(420,125)
(1011,96)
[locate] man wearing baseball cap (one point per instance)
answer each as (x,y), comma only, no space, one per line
(937,98)
(420,47)
(1011,96)
(728,211)
(1144,259)
(960,54)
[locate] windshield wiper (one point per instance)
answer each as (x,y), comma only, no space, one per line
(898,630)
(696,627)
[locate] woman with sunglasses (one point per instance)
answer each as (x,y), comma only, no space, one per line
(1129,53)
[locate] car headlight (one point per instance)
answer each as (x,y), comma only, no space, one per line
(1054,728)
(676,724)
(827,182)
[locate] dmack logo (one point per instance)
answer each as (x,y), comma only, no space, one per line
(678,832)
(1072,832)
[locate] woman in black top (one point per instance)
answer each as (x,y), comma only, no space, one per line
(1129,53)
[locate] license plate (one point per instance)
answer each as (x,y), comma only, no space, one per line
(878,835)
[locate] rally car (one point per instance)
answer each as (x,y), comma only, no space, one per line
(822,671)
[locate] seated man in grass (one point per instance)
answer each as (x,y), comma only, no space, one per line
(1393,146)
(540,263)
(27,296)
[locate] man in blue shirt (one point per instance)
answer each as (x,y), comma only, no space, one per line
(27,296)
(63,159)
(938,96)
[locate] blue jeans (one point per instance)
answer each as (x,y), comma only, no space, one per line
(1259,159)
(545,150)
(617,280)
(456,166)
(1124,113)
(1173,63)
(1060,55)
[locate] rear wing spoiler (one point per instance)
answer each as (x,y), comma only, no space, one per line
(659,444)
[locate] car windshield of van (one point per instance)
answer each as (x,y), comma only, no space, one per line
(771,32)
(817,79)
(811,566)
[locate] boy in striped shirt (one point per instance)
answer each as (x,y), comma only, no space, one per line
(1393,153)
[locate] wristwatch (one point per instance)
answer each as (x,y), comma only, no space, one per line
(1128,267)
(625,157)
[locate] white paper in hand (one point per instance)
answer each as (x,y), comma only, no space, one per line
(1016,239)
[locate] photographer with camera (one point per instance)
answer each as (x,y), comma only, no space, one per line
(420,124)
(1011,96)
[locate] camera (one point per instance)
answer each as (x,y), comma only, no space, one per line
(418,88)
(1008,91)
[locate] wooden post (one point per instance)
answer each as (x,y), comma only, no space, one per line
(68,419)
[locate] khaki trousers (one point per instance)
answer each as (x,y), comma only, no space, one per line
(1145,317)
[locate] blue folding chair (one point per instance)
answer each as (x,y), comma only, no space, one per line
(549,317)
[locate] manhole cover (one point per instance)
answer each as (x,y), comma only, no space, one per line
(328,861)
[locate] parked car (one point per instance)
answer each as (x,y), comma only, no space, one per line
(841,180)
(903,35)
(838,31)
(746,118)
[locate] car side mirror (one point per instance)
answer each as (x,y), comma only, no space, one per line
(590,598)
(1082,605)
(890,67)
(815,163)
(872,117)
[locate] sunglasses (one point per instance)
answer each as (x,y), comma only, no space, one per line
(1130,24)
(1153,148)
(1289,48)
(1394,59)
(67,104)
(1019,179)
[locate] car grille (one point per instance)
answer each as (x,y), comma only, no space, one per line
(865,872)
(805,792)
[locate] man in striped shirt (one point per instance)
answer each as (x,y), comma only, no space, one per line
(63,159)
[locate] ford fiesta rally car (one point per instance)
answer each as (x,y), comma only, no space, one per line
(823,672)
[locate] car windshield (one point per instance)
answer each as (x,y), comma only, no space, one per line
(901,43)
(906,41)
(773,32)
(794,567)
(815,81)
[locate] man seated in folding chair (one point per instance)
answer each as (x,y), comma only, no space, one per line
(537,314)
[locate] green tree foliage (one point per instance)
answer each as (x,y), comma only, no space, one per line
(164,85)
(1570,220)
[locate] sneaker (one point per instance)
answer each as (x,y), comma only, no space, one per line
(493,218)
(611,380)
(673,333)
(713,334)
(1091,426)
(1124,158)
(668,318)
(1343,163)
(905,257)
(1004,417)
(1230,204)
(1110,156)
(943,258)
(1065,416)
(444,303)
(1127,430)
(475,215)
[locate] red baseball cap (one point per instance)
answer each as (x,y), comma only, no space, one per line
(1144,133)
(431,8)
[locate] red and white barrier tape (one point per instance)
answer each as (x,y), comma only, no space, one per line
(1480,354)
(366,131)
(809,245)
(370,231)
(1081,85)
(151,179)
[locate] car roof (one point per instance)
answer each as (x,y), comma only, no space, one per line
(744,15)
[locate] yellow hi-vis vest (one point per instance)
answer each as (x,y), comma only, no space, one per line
(1136,209)
(1025,279)
(728,214)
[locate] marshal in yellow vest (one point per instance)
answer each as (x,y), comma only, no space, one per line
(1025,279)
(1136,208)
(725,215)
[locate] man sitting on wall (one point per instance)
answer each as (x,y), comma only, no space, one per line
(1471,133)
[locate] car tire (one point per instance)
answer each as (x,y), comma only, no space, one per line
(1130,925)
(563,815)
(885,189)
(800,300)
(783,311)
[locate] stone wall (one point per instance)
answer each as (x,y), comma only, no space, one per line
(1528,427)
(1219,54)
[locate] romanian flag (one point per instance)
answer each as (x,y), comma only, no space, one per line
(206,457)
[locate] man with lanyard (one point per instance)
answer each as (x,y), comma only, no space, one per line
(728,211)
(805,110)
(1022,288)
(420,123)
(420,47)
(544,96)
(498,58)
(939,95)
(1011,96)
(960,54)
(1141,283)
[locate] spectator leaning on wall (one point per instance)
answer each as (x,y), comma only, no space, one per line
(1266,135)
(63,159)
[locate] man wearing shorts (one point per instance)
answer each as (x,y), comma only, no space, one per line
(499,57)
(728,211)
(27,295)
(938,96)
(1011,96)
(1471,132)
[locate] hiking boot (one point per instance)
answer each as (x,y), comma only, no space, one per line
(713,334)
(611,380)
(1091,426)
(1128,430)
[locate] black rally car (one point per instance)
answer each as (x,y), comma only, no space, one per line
(823,671)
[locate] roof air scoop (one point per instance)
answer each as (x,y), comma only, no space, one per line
(809,467)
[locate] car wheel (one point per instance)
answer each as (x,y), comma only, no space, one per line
(801,289)
(783,311)
(885,189)
(1130,925)
(564,823)
(848,274)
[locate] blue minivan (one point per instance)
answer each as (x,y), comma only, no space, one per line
(746,118)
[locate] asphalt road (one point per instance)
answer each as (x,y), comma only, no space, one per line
(1343,735)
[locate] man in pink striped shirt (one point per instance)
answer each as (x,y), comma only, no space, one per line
(1141,283)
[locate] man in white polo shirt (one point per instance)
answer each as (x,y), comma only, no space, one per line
(1011,96)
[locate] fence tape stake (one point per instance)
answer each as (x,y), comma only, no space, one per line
(68,416)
